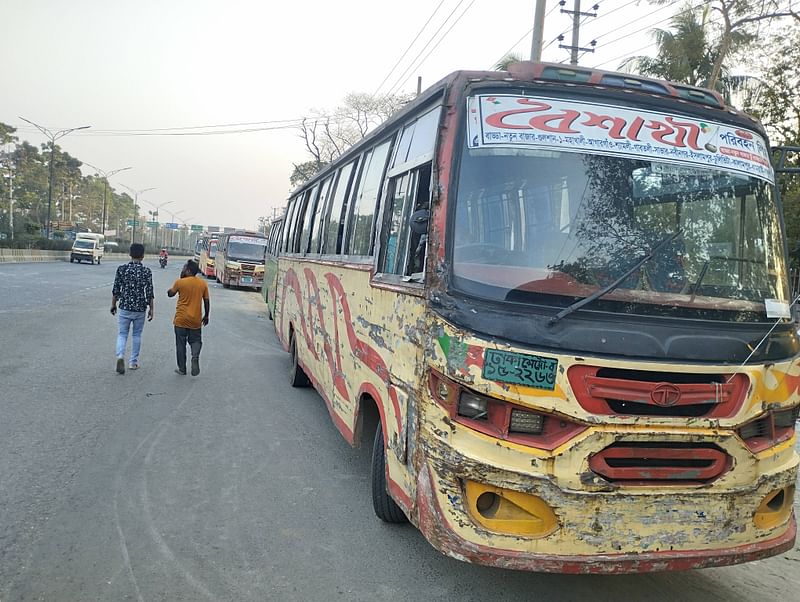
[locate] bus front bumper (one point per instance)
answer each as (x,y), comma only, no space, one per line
(438,529)
(246,280)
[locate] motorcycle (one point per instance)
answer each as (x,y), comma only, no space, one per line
(162,261)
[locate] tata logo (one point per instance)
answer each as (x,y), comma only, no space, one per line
(665,395)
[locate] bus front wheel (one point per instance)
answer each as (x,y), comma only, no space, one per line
(385,507)
(297,378)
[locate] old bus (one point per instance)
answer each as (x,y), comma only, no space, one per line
(239,259)
(271,263)
(556,300)
(205,252)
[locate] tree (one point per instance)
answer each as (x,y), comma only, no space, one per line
(779,110)
(510,58)
(328,134)
(737,29)
(683,51)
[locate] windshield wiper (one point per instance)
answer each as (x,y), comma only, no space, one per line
(614,285)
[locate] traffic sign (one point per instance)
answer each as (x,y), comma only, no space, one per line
(130,222)
(197,227)
(152,224)
(171,226)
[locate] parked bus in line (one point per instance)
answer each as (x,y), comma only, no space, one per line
(271,263)
(239,260)
(205,252)
(556,299)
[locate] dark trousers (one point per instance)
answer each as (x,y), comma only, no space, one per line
(193,336)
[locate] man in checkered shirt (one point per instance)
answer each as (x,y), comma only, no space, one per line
(133,290)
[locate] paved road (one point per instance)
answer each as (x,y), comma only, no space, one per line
(228,486)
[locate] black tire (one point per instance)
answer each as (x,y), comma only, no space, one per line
(385,507)
(269,312)
(297,378)
(72,260)
(98,261)
(225,285)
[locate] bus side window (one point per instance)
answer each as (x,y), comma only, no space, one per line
(361,216)
(403,249)
(319,214)
(307,219)
(287,225)
(294,233)
(334,229)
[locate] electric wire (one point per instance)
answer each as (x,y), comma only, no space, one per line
(435,46)
(525,35)
(412,65)
(649,26)
(405,52)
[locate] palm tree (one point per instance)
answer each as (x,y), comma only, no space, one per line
(687,53)
(503,63)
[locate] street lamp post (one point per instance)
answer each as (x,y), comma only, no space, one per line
(52,137)
(105,175)
(172,217)
(136,194)
(10,176)
(155,213)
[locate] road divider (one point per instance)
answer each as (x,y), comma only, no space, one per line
(38,255)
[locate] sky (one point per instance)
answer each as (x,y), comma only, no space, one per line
(129,68)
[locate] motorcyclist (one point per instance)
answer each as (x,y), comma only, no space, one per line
(163,256)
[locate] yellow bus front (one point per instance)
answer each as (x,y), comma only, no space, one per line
(612,377)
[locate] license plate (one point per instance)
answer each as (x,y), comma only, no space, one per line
(247,279)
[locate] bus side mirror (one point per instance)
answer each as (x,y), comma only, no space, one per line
(419,221)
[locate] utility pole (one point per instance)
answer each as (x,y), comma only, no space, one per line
(538,31)
(574,48)
(52,137)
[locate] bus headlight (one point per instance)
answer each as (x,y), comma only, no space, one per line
(473,406)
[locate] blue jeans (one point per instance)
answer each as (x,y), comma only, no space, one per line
(124,319)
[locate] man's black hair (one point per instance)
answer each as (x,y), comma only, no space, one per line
(137,251)
(192,266)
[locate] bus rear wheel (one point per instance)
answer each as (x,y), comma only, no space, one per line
(385,507)
(297,377)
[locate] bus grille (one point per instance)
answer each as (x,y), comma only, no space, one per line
(665,463)
(610,391)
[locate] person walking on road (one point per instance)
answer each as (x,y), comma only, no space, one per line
(133,290)
(192,298)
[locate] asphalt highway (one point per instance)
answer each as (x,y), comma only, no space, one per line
(226,486)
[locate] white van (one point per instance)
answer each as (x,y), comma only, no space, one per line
(88,246)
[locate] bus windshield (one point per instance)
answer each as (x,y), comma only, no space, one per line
(245,250)
(83,243)
(212,248)
(548,227)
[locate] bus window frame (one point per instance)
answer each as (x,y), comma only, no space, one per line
(357,193)
(287,224)
(306,222)
(326,188)
(354,166)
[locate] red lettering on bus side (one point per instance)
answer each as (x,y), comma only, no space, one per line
(335,364)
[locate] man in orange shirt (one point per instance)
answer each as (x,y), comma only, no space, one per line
(192,296)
